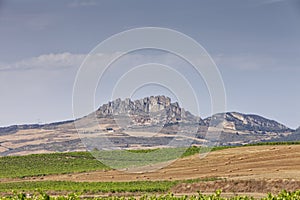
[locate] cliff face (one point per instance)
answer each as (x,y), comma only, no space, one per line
(149,110)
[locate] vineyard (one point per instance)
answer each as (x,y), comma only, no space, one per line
(45,164)
(96,187)
(284,195)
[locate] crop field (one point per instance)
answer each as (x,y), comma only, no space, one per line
(284,195)
(63,163)
(72,162)
(88,187)
(95,187)
(240,172)
(45,164)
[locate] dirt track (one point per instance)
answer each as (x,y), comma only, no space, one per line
(239,186)
(245,163)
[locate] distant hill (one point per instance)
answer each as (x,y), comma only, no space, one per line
(151,122)
(246,122)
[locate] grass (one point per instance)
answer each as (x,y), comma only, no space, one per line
(45,164)
(87,187)
(94,187)
(274,143)
(63,163)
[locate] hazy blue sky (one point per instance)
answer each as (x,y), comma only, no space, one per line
(255,43)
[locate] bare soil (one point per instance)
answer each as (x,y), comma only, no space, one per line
(239,186)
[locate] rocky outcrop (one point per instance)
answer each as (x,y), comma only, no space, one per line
(150,110)
(245,122)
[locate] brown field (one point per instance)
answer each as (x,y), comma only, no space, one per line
(245,163)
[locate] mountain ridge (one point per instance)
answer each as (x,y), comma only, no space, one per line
(156,104)
(241,121)
(154,117)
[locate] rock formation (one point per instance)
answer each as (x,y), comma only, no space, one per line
(150,110)
(245,122)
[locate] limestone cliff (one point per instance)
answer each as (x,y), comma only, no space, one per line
(149,110)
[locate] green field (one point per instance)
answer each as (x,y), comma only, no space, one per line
(94,187)
(88,187)
(45,164)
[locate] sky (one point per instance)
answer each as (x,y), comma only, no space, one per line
(254,43)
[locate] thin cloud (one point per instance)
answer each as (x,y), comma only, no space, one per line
(82,3)
(57,61)
(272,1)
(250,62)
(246,62)
(46,61)
(67,60)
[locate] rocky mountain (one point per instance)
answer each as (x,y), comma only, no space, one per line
(246,122)
(15,128)
(148,111)
(293,136)
(151,122)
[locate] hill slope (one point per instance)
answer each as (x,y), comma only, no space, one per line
(246,122)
